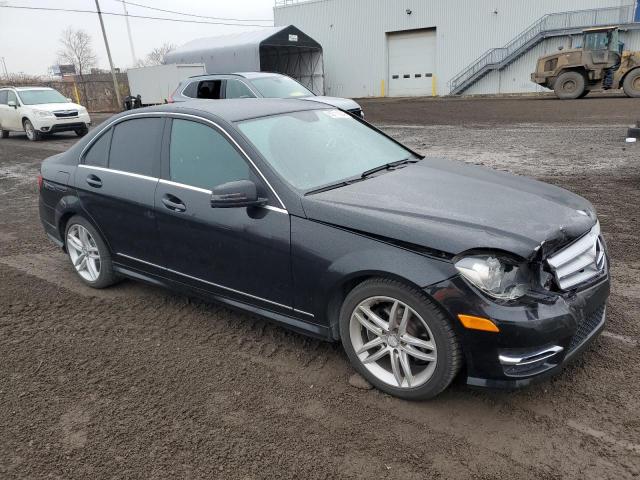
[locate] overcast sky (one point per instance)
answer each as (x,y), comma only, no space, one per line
(29,38)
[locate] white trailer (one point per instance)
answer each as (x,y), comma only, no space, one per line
(156,84)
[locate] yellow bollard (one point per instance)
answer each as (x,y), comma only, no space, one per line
(75,90)
(434,91)
(382,88)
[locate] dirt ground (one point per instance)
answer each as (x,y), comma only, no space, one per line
(136,382)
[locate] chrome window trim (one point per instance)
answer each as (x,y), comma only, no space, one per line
(119,172)
(207,282)
(303,312)
(183,115)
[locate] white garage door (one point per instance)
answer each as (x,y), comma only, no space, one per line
(412,62)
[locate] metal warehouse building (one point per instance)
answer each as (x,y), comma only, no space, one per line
(436,47)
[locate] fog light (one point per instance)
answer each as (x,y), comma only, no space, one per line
(478,323)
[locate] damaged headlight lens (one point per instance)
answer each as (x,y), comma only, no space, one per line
(497,276)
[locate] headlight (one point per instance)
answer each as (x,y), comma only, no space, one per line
(42,113)
(497,276)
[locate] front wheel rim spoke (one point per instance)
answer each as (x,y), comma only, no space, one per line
(79,259)
(91,268)
(414,352)
(395,367)
(417,342)
(376,356)
(402,328)
(369,345)
(74,242)
(367,324)
(379,322)
(406,367)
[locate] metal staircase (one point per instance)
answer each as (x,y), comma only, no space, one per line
(550,25)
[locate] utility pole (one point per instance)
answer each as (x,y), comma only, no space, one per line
(4,64)
(126,16)
(106,44)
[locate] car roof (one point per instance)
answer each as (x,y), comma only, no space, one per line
(235,110)
(22,89)
(247,75)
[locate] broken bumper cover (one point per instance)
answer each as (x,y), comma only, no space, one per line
(537,337)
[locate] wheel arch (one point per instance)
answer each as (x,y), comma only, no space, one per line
(70,206)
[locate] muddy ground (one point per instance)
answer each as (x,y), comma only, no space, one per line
(136,382)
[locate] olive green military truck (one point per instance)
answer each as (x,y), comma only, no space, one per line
(600,63)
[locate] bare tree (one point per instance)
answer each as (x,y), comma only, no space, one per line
(157,56)
(77,50)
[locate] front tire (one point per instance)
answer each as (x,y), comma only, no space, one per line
(631,84)
(570,85)
(32,134)
(88,253)
(398,339)
(82,131)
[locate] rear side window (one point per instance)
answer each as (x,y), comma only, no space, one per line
(135,146)
(211,89)
(3,97)
(202,157)
(98,153)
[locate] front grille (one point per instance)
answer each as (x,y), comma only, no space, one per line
(579,262)
(66,113)
(587,326)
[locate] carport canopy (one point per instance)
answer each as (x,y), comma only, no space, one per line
(285,50)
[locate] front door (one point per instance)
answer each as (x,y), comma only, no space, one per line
(242,253)
(116,183)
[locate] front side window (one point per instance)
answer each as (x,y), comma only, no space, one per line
(98,153)
(135,146)
(37,97)
(210,89)
(314,148)
(596,41)
(11,97)
(237,89)
(202,157)
(279,87)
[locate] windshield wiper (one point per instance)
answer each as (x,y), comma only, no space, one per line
(332,186)
(387,166)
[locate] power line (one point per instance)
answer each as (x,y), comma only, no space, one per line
(195,15)
(179,20)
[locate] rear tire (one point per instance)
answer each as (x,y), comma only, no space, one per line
(584,94)
(32,134)
(631,84)
(88,253)
(417,354)
(4,133)
(570,85)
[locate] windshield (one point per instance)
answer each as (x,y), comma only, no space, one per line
(280,87)
(35,97)
(314,148)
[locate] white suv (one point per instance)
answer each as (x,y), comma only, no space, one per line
(38,111)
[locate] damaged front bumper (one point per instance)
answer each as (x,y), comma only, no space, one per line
(538,334)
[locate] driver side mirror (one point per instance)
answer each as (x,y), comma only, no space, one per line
(69,100)
(241,193)
(12,103)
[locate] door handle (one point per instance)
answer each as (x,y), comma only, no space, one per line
(173,203)
(94,181)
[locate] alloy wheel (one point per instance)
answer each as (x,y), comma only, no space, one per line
(30,131)
(393,342)
(83,252)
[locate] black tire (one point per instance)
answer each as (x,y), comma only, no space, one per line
(4,133)
(584,94)
(81,132)
(32,134)
(631,84)
(633,132)
(570,85)
(106,276)
(449,354)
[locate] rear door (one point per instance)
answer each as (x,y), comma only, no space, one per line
(242,253)
(116,183)
(10,116)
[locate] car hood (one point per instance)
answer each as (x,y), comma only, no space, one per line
(343,103)
(452,207)
(55,107)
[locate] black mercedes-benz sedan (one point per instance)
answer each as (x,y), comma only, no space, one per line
(311,217)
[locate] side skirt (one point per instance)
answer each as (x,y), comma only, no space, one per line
(297,324)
